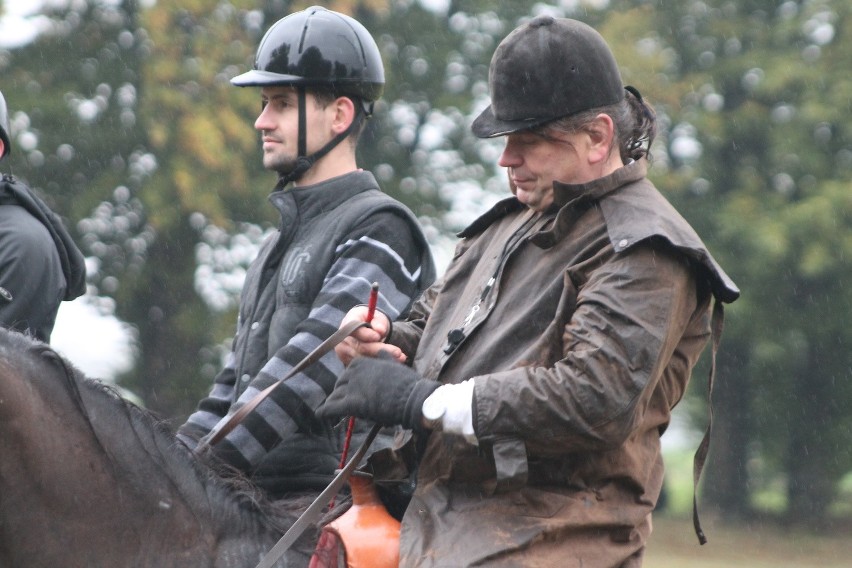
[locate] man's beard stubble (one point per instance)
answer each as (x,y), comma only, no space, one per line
(283,165)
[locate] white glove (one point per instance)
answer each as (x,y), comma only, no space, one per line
(452,405)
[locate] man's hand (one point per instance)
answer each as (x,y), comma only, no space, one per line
(367,341)
(380,390)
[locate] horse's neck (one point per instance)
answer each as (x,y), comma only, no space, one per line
(170,483)
(85,476)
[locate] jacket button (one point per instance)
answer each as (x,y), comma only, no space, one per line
(255,325)
(623,243)
(245,378)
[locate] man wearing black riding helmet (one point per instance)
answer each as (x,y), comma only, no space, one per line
(542,369)
(321,57)
(319,73)
(40,266)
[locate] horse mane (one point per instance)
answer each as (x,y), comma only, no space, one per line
(154,435)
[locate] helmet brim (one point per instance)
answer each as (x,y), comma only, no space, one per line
(255,78)
(487,125)
(364,90)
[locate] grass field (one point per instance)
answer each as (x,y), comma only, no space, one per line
(673,545)
(746,545)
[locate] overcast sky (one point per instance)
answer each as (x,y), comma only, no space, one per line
(98,344)
(19,23)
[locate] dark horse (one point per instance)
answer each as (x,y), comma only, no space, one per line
(89,479)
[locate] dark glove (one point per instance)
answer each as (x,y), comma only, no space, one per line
(381,390)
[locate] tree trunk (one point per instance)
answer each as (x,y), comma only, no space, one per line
(726,477)
(810,483)
(173,324)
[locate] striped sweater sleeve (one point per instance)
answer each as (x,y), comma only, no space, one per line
(381,250)
(212,408)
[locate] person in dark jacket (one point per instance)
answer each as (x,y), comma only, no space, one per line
(543,367)
(40,266)
(319,74)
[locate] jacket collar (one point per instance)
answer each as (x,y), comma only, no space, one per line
(634,211)
(571,201)
(308,201)
(563,194)
(566,193)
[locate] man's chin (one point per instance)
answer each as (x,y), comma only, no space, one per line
(277,165)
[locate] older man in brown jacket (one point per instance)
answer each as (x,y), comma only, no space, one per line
(544,365)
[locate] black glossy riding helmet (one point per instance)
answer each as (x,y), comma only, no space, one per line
(547,69)
(4,127)
(323,49)
(319,48)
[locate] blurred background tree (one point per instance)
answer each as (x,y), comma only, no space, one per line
(756,97)
(123,116)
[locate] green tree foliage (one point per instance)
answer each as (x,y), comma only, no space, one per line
(73,96)
(208,175)
(757,97)
(128,124)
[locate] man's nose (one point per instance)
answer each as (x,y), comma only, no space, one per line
(509,158)
(263,121)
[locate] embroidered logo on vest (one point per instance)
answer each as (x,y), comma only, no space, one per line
(294,265)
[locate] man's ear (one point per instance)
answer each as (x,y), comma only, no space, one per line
(601,132)
(344,114)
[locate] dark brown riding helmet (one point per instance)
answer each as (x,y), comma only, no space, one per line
(546,69)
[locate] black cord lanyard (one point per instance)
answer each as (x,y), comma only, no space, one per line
(457,335)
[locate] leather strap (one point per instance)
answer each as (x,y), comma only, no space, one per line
(216,435)
(716,325)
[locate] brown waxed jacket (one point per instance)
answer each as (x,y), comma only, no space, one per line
(580,347)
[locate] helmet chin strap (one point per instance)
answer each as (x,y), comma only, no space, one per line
(304,162)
